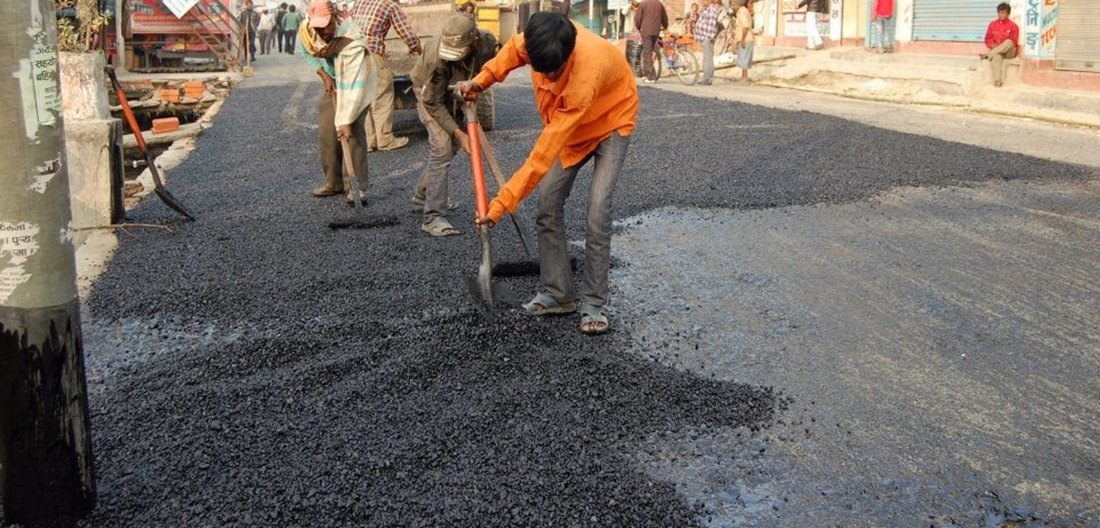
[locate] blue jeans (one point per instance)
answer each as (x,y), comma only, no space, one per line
(557,279)
(885,28)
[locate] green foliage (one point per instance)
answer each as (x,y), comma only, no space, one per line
(82,33)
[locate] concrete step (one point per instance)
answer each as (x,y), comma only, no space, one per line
(947,61)
(945,81)
(948,75)
(1063,102)
(962,81)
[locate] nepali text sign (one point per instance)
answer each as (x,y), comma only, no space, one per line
(1041,29)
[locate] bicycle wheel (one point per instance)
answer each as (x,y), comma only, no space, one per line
(722,42)
(686,67)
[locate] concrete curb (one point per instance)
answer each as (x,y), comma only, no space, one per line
(970,107)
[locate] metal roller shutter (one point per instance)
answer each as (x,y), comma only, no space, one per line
(956,20)
(1078,45)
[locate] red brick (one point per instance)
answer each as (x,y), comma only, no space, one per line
(166,124)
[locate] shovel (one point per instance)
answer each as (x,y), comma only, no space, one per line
(498,175)
(158,186)
(362,220)
(352,178)
(481,287)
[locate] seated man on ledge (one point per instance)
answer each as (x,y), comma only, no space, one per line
(1003,39)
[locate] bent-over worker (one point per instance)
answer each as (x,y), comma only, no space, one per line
(456,56)
(588,101)
(336,51)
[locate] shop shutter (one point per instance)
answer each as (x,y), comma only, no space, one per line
(955,20)
(1078,44)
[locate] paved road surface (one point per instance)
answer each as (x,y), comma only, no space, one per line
(822,317)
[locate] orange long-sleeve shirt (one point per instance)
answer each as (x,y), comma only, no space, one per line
(595,97)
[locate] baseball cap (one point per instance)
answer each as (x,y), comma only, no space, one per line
(459,32)
(320,13)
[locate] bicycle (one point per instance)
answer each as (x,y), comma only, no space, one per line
(680,61)
(723,42)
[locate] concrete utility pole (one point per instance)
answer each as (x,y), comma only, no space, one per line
(120,37)
(46,476)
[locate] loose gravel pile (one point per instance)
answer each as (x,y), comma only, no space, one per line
(258,368)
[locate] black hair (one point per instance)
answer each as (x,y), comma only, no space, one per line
(282,5)
(1003,6)
(549,39)
(291,9)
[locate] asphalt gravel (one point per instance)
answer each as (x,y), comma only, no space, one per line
(256,367)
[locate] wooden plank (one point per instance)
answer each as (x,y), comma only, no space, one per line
(188,130)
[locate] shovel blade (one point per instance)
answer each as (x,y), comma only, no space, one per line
(487,298)
(356,202)
(482,296)
(172,202)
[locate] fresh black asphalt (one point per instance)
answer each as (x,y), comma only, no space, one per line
(258,368)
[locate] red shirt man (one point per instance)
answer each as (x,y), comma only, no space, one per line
(1003,40)
(883,8)
(1002,29)
(882,16)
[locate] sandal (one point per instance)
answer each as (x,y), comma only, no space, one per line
(439,227)
(594,320)
(418,199)
(544,304)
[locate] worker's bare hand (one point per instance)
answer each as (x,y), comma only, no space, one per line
(463,141)
(327,80)
(469,89)
(484,221)
(343,132)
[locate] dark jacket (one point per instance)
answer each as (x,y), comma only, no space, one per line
(431,76)
(815,6)
(651,18)
(248,19)
(279,21)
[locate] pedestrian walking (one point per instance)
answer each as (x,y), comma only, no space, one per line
(813,34)
(336,51)
(706,30)
(460,52)
(588,101)
(882,15)
(650,20)
(249,23)
(267,23)
(292,21)
(745,40)
(280,35)
(1002,37)
(376,17)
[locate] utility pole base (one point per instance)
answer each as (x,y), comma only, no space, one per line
(46,476)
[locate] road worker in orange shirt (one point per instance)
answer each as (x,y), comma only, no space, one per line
(588,101)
